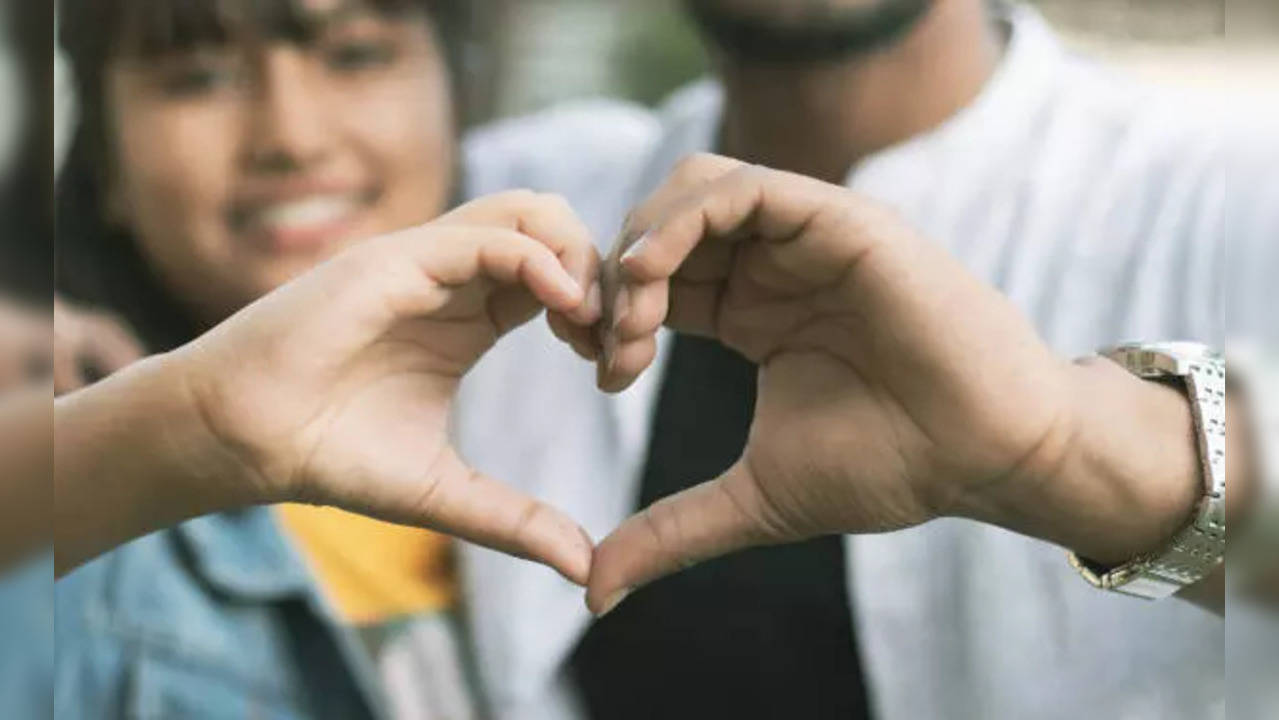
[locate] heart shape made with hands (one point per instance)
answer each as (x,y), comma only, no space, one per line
(879,405)
(876,408)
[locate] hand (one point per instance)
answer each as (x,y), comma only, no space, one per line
(893,386)
(336,388)
(88,346)
(25,341)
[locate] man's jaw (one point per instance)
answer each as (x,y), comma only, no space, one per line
(819,34)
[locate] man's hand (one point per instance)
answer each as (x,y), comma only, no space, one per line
(894,387)
(337,387)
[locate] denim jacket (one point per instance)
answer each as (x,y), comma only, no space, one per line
(217,618)
(26,639)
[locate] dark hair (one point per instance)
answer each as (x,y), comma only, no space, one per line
(100,264)
(26,208)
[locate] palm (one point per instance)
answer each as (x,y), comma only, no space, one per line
(876,409)
(349,405)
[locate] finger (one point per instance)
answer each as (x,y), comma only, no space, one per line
(639,309)
(109,346)
(547,218)
(67,373)
(521,259)
(580,338)
(690,175)
(477,508)
(693,307)
(512,306)
(621,363)
(705,521)
(453,257)
(749,202)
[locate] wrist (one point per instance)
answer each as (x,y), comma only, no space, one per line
(201,449)
(1122,477)
(134,457)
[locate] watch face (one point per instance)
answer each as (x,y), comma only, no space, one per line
(1151,359)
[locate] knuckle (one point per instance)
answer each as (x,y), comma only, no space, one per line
(518,196)
(530,514)
(661,519)
(692,167)
(555,202)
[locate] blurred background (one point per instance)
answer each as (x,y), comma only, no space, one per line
(538,52)
(527,54)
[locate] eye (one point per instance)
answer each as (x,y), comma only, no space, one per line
(192,78)
(356,55)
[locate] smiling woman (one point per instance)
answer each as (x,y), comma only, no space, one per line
(224,148)
(227,146)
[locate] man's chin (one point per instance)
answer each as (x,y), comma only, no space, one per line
(817,32)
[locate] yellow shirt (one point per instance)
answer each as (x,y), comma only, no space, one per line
(371,570)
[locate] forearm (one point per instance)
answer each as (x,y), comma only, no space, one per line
(26,493)
(133,456)
(1125,476)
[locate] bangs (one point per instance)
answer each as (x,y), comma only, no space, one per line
(149,28)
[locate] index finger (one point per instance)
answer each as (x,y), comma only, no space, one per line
(547,218)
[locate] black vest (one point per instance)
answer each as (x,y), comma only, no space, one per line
(764,633)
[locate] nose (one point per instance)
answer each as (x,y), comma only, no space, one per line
(288,127)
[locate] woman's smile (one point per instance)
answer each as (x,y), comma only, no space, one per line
(301,217)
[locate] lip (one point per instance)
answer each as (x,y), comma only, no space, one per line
(301,215)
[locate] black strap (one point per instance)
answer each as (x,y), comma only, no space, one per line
(764,633)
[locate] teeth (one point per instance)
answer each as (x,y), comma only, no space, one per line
(307,212)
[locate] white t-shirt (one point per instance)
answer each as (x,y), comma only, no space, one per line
(1096,204)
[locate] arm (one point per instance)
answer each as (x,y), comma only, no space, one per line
(1130,479)
(26,444)
(133,456)
(336,389)
(894,387)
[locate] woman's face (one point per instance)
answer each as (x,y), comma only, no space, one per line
(240,166)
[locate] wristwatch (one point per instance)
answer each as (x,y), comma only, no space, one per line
(1197,549)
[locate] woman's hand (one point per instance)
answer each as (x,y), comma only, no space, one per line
(894,387)
(88,345)
(337,387)
(25,341)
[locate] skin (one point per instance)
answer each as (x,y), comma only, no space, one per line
(912,464)
(202,136)
(335,389)
(204,140)
(820,119)
(879,407)
(88,343)
(24,345)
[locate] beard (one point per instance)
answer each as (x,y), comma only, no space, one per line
(813,32)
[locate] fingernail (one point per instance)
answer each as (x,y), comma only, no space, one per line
(594,301)
(635,249)
(613,601)
(572,285)
(610,351)
(621,306)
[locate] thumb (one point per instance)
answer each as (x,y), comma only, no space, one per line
(705,521)
(475,507)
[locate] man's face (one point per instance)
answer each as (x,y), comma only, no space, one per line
(800,30)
